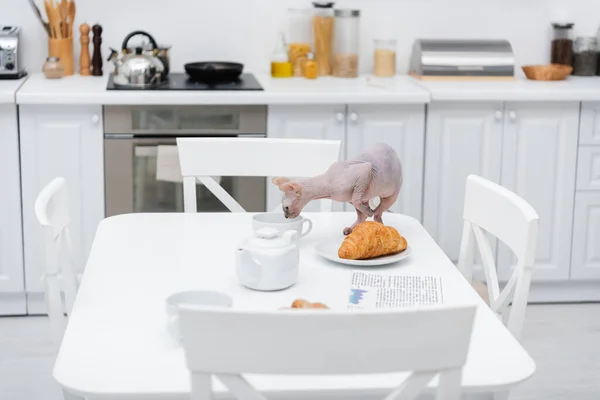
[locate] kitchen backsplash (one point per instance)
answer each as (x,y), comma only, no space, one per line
(246,30)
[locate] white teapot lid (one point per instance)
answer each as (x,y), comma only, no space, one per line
(268,238)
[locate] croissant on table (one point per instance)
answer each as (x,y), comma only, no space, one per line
(301,303)
(371,239)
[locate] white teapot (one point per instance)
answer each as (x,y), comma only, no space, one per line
(269,260)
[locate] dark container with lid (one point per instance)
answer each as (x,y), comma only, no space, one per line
(585,56)
(562,44)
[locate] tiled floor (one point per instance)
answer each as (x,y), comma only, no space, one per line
(563,339)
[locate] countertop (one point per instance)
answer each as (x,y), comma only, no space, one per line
(363,90)
(92,90)
(8,89)
(572,89)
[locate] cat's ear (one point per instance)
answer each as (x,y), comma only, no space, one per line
(280,180)
(291,187)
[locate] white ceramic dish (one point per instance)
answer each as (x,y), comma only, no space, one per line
(279,222)
(329,250)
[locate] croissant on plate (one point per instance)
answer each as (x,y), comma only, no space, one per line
(371,239)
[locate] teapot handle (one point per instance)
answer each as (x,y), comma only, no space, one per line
(135,33)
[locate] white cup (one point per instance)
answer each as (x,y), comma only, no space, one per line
(192,297)
(282,224)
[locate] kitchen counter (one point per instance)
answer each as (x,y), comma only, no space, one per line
(8,88)
(92,90)
(364,90)
(572,89)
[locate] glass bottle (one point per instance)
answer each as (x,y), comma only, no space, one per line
(346,43)
(585,56)
(384,58)
(299,37)
(310,67)
(323,36)
(562,44)
(281,67)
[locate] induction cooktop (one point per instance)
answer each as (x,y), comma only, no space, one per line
(180,81)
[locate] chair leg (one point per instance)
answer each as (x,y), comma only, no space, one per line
(70,396)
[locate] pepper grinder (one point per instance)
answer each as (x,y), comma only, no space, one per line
(84,58)
(97,57)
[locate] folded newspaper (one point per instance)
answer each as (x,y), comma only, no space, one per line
(371,290)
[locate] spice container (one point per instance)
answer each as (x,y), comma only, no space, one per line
(53,68)
(281,67)
(384,58)
(345,46)
(562,44)
(323,36)
(299,38)
(585,56)
(310,68)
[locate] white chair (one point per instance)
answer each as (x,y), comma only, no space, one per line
(491,208)
(324,342)
(202,158)
(52,212)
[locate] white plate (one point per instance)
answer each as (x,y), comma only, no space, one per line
(329,250)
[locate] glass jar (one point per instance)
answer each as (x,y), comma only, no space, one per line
(562,44)
(384,57)
(346,43)
(323,36)
(299,37)
(585,56)
(53,68)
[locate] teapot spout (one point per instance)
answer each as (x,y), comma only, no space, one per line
(114,57)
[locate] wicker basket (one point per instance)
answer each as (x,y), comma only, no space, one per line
(551,72)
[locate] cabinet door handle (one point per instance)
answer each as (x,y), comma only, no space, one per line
(512,115)
(353,117)
(95,119)
(339,117)
(498,115)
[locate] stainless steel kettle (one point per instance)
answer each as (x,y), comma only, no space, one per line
(138,69)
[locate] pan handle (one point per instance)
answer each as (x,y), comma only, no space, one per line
(135,33)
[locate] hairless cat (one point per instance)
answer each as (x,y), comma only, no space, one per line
(376,172)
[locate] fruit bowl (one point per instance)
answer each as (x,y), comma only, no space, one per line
(550,72)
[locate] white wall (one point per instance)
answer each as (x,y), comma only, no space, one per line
(245,30)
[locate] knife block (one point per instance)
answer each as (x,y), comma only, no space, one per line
(63,49)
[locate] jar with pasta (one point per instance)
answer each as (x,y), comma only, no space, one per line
(346,43)
(384,60)
(323,23)
(299,37)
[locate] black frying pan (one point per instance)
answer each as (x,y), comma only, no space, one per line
(214,71)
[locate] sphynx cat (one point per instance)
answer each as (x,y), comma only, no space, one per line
(376,172)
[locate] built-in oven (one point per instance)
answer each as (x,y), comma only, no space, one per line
(141,165)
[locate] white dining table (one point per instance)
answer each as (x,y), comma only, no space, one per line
(117,344)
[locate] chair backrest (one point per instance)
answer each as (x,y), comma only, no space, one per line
(202,158)
(52,212)
(227,343)
(491,208)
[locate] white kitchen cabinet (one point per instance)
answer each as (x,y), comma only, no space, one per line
(68,142)
(305,122)
(12,286)
(585,257)
(462,139)
(588,168)
(539,164)
(403,128)
(590,123)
